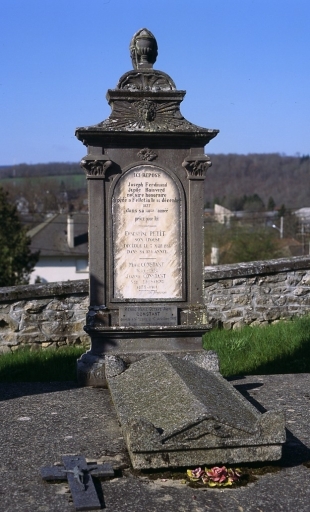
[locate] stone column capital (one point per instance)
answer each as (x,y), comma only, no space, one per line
(196,166)
(95,168)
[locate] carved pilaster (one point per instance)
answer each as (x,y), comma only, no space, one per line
(197,166)
(95,168)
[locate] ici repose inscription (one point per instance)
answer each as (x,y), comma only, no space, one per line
(147,235)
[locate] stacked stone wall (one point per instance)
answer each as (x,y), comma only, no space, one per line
(257,293)
(43,316)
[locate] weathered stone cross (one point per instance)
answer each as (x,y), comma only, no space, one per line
(79,474)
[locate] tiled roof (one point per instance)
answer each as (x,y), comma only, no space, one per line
(50,237)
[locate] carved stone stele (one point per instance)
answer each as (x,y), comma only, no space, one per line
(146,217)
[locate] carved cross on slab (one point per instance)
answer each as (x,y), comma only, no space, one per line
(79,474)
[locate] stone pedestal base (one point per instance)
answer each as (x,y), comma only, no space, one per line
(91,371)
(133,344)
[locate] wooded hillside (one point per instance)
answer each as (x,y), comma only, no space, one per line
(284,178)
(28,170)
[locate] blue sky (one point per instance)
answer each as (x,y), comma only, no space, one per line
(244,65)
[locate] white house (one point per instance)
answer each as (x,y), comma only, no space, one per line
(222,215)
(63,244)
(304,216)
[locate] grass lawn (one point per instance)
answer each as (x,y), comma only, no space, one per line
(40,366)
(283,347)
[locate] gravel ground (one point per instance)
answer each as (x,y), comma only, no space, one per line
(40,422)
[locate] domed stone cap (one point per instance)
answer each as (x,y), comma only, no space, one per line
(146,100)
(143,53)
(143,49)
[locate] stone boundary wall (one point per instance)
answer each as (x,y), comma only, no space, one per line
(43,315)
(258,292)
(53,315)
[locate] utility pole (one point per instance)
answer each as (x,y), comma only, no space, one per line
(281,226)
(280,229)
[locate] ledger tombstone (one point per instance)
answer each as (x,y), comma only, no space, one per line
(145,167)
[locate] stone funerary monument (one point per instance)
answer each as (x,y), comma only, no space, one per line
(145,167)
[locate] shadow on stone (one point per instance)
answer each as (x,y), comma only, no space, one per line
(9,391)
(244,391)
(294,451)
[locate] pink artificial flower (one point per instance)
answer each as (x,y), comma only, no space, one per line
(217,474)
(195,474)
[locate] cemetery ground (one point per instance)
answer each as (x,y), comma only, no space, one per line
(42,421)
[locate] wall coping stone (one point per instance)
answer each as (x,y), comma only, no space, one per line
(62,288)
(257,268)
(36,291)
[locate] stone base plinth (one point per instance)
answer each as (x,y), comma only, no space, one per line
(91,371)
(133,344)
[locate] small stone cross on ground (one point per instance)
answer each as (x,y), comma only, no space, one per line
(79,474)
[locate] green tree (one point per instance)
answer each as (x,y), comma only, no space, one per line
(282,210)
(248,244)
(253,203)
(271,204)
(16,259)
(239,243)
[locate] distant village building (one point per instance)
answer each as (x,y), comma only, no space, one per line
(63,244)
(215,255)
(222,215)
(22,205)
(303,215)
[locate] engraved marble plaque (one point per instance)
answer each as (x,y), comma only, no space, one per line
(145,316)
(147,235)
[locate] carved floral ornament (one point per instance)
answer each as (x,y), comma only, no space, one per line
(196,167)
(147,154)
(95,169)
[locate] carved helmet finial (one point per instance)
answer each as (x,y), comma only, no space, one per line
(143,49)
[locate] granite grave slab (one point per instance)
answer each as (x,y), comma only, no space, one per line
(178,411)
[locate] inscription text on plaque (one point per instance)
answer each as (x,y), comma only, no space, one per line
(147,235)
(131,316)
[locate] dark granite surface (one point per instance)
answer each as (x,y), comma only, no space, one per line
(42,422)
